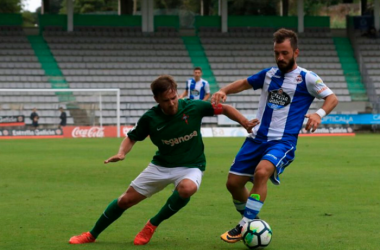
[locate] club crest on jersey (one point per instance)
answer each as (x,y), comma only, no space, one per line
(277,99)
(185,117)
(299,79)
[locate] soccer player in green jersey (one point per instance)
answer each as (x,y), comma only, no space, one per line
(174,127)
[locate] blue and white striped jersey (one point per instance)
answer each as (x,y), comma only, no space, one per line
(197,90)
(284,101)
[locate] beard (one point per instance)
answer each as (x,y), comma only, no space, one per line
(286,67)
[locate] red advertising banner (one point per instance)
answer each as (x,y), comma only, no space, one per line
(30,133)
(8,121)
(94,131)
(68,132)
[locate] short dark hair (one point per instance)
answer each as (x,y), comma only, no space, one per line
(162,84)
(197,68)
(282,34)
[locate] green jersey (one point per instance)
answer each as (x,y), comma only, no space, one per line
(178,137)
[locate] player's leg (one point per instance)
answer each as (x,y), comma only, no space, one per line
(236,186)
(113,211)
(263,172)
(149,181)
(179,198)
(258,194)
(277,156)
(241,172)
(187,182)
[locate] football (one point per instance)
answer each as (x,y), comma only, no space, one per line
(256,234)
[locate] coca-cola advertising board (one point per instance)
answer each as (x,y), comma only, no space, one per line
(94,131)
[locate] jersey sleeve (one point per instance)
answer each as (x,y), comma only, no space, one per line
(187,85)
(257,80)
(207,87)
(316,87)
(205,108)
(141,130)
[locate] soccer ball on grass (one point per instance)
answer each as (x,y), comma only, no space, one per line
(256,234)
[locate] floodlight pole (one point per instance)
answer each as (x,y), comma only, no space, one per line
(300,13)
(70,16)
(224,15)
(376,14)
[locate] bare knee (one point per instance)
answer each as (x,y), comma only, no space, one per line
(130,198)
(236,183)
(263,173)
(186,188)
(232,186)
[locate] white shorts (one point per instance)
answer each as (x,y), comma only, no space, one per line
(155,178)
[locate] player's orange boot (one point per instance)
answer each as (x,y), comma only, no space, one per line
(145,234)
(82,238)
(232,236)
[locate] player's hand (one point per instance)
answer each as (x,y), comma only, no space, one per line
(115,158)
(217,96)
(313,122)
(250,124)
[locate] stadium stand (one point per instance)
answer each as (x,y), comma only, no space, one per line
(125,58)
(367,52)
(244,51)
(120,57)
(20,69)
(369,49)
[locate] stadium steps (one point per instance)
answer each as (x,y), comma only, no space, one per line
(50,66)
(199,59)
(350,69)
(56,78)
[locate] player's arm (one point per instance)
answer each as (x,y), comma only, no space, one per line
(235,87)
(206,97)
(315,119)
(235,115)
(125,146)
(184,94)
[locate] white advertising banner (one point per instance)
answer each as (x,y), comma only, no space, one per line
(224,120)
(206,132)
(229,132)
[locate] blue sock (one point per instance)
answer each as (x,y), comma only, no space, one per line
(252,208)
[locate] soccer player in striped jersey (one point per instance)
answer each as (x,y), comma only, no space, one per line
(196,87)
(287,92)
(174,126)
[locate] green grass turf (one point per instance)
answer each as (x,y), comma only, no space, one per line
(52,189)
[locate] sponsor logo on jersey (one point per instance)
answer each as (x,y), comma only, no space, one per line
(319,81)
(178,140)
(194,92)
(158,129)
(322,89)
(278,99)
(320,86)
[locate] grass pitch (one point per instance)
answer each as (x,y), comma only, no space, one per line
(52,189)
